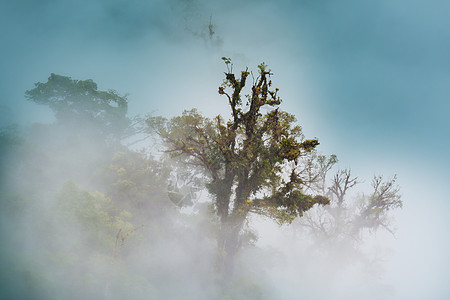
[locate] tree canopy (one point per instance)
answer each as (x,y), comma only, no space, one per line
(250,162)
(79,102)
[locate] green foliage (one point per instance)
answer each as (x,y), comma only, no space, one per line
(95,213)
(9,137)
(72,247)
(11,146)
(263,68)
(243,288)
(138,183)
(79,102)
(226,60)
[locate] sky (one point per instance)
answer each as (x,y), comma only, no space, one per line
(370,79)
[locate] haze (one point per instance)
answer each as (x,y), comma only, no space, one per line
(370,79)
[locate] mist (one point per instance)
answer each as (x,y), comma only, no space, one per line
(88,215)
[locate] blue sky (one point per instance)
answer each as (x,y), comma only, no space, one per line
(370,79)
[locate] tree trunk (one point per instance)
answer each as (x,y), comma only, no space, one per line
(228,246)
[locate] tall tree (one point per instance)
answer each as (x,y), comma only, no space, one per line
(79,103)
(249,162)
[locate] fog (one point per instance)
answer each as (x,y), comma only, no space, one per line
(86,217)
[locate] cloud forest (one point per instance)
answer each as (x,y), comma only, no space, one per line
(224,150)
(97,216)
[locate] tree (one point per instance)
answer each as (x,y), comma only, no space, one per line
(249,163)
(90,127)
(138,183)
(79,103)
(344,219)
(341,229)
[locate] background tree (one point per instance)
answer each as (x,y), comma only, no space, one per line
(340,231)
(79,103)
(249,162)
(346,218)
(74,199)
(138,183)
(90,128)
